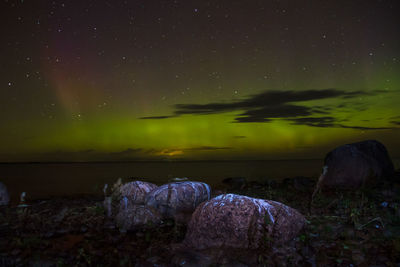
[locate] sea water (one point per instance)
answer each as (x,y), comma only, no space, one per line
(55,179)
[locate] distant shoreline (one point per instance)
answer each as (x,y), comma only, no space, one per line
(148,161)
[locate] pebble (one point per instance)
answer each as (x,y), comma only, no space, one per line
(139,234)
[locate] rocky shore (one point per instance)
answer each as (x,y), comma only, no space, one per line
(349,216)
(343,228)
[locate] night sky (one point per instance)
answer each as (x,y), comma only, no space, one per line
(202,80)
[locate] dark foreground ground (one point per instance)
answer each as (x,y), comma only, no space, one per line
(344,229)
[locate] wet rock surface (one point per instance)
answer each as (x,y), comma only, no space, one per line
(353,165)
(178,200)
(236,221)
(4,196)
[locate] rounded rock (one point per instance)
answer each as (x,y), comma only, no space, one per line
(235,221)
(178,200)
(135,191)
(353,165)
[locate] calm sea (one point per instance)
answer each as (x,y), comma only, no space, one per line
(42,180)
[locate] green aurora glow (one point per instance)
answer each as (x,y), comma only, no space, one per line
(82,88)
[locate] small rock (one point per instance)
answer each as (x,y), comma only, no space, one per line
(303,184)
(63,231)
(60,216)
(109,225)
(15,252)
(107,204)
(154,259)
(139,234)
(83,229)
(271,183)
(49,234)
(254,185)
(235,183)
(4,196)
(349,232)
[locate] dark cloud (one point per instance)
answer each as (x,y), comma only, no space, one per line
(365,128)
(239,136)
(156,117)
(314,121)
(266,106)
(331,122)
(395,122)
(127,152)
(272,112)
(281,105)
(265,100)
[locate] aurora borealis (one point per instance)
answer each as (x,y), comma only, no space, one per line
(202,80)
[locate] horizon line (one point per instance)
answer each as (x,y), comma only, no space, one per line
(163,160)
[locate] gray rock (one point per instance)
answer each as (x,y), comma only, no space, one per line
(235,221)
(178,200)
(354,165)
(4,196)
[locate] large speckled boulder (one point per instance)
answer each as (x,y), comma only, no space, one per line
(135,192)
(235,221)
(178,200)
(353,165)
(4,196)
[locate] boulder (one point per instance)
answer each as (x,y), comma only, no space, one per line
(127,205)
(235,221)
(4,196)
(135,192)
(178,200)
(353,165)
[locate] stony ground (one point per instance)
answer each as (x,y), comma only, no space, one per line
(344,229)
